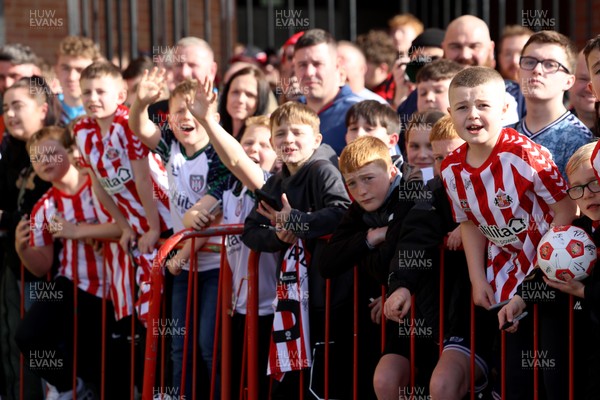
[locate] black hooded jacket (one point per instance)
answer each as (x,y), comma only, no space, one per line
(318,199)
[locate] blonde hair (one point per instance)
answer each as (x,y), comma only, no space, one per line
(295,113)
(79,46)
(258,120)
(581,155)
(443,130)
(363,151)
(192,41)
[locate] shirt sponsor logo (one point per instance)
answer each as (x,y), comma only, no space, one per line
(502,236)
(116,184)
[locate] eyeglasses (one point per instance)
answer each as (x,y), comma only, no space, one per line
(576,192)
(549,66)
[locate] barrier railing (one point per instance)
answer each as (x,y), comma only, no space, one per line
(251,347)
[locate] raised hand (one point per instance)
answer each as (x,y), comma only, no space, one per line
(150,87)
(204,104)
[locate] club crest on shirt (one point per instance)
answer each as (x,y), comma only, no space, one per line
(464,204)
(238,207)
(502,200)
(112,154)
(197,183)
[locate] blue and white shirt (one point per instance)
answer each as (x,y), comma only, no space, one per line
(562,137)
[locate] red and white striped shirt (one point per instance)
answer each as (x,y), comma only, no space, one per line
(596,160)
(507,198)
(110,157)
(75,254)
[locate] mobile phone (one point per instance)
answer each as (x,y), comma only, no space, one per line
(519,317)
(269,227)
(271,200)
(496,307)
(215,209)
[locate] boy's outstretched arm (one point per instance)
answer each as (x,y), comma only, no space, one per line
(474,244)
(231,152)
(176,263)
(69,230)
(149,90)
(199,215)
(144,186)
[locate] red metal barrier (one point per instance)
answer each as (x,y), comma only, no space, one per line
(251,348)
(156,289)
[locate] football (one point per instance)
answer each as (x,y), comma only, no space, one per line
(565,253)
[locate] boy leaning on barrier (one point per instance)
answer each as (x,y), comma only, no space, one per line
(416,270)
(126,179)
(584,189)
(196,175)
(250,161)
(312,200)
(366,236)
(66,212)
(505,192)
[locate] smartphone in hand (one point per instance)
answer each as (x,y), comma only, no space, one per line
(269,199)
(216,208)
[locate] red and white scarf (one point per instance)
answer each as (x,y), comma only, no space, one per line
(290,340)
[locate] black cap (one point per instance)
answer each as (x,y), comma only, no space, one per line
(431,37)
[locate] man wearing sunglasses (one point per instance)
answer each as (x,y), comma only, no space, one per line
(545,74)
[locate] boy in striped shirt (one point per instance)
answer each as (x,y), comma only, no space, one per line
(66,212)
(127,180)
(506,191)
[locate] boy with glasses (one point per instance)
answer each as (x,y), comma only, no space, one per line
(545,71)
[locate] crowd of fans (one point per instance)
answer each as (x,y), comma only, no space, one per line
(333,154)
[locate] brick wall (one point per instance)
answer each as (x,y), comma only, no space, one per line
(41,24)
(586,22)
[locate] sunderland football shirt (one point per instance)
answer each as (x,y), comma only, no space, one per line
(110,158)
(507,198)
(76,256)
